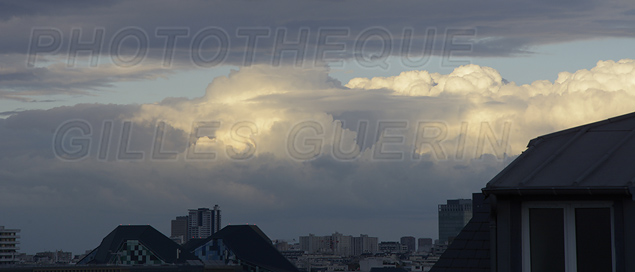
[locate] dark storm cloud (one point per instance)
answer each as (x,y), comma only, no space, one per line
(31,132)
(156,35)
(524,22)
(18,82)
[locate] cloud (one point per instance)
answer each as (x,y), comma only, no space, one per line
(502,29)
(464,114)
(463,80)
(533,109)
(14,8)
(18,82)
(426,137)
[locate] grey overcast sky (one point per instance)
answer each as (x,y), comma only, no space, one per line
(298,116)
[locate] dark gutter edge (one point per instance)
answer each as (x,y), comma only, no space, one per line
(627,191)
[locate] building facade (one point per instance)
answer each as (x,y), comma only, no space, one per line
(409,242)
(203,222)
(342,244)
(391,247)
(365,245)
(453,216)
(424,245)
(9,240)
(339,244)
(178,229)
(53,257)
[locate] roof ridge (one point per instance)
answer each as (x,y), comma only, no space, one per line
(536,140)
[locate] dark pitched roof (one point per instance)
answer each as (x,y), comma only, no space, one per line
(162,246)
(469,252)
(591,159)
(250,244)
(194,243)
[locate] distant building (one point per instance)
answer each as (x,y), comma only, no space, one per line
(178,229)
(342,244)
(24,258)
(453,216)
(203,222)
(365,245)
(366,264)
(338,244)
(307,243)
(409,242)
(469,252)
(281,245)
(424,245)
(53,257)
(438,249)
(392,247)
(9,240)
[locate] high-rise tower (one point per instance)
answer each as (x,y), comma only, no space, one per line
(453,216)
(203,222)
(9,240)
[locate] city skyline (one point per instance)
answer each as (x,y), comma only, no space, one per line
(313,117)
(294,240)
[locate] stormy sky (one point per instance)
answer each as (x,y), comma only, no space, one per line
(298,116)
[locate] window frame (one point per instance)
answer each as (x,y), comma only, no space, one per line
(569,229)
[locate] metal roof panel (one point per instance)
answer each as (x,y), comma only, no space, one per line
(595,155)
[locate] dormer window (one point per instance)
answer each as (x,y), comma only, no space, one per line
(567,237)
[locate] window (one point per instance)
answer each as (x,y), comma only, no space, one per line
(567,237)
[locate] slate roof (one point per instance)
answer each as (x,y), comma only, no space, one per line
(194,243)
(162,246)
(469,252)
(596,158)
(249,244)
